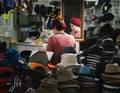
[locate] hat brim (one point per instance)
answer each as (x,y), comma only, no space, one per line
(117,76)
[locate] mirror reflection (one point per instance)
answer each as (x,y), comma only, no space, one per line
(73,17)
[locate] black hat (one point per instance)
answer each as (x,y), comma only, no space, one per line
(89,4)
(95,50)
(106,7)
(106,29)
(108,44)
(107,17)
(99,4)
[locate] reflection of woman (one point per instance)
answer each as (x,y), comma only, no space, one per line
(75,24)
(59,40)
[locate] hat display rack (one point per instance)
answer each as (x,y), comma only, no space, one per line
(107,12)
(7,5)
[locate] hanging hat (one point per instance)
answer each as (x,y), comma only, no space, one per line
(99,4)
(68,59)
(89,4)
(76,21)
(107,17)
(106,7)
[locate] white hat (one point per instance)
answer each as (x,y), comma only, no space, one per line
(68,59)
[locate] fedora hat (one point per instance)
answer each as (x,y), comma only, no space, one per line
(48,85)
(108,44)
(68,59)
(64,74)
(112,71)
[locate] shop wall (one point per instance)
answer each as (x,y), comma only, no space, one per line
(115,10)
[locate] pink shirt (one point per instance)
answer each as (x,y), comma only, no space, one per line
(77,34)
(57,43)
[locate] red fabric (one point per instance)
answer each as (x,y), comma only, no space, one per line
(56,44)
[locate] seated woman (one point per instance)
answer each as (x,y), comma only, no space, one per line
(59,40)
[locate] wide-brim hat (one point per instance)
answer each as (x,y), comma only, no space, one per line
(107,17)
(68,59)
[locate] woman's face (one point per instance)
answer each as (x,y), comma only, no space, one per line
(74,27)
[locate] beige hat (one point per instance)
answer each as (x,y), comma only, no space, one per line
(68,59)
(48,85)
(112,71)
(112,68)
(64,74)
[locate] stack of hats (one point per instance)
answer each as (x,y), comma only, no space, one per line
(88,80)
(109,49)
(94,56)
(67,81)
(111,76)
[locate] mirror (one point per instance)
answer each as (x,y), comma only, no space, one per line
(73,8)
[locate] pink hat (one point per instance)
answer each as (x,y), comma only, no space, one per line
(76,21)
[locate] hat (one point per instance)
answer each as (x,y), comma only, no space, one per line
(68,59)
(69,49)
(106,7)
(112,68)
(116,59)
(99,4)
(108,44)
(106,29)
(107,17)
(76,21)
(11,56)
(112,71)
(64,74)
(95,50)
(48,84)
(89,4)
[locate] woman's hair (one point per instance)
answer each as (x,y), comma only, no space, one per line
(59,24)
